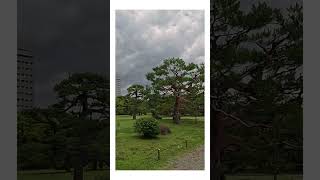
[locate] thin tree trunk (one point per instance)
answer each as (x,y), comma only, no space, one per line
(176,112)
(95,164)
(218,130)
(78,172)
(276,146)
(67,163)
(135,105)
(54,149)
(78,163)
(100,164)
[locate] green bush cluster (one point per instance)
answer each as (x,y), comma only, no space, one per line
(147,127)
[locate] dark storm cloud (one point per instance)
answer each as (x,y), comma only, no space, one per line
(65,37)
(246,4)
(145,38)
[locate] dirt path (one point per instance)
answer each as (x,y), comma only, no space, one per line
(191,161)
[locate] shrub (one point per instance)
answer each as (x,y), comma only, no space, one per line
(147,127)
(164,130)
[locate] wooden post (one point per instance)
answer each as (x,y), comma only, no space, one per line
(158,154)
(186,143)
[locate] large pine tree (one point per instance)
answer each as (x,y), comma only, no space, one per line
(256,87)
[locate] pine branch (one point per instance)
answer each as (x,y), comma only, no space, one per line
(297,147)
(249,125)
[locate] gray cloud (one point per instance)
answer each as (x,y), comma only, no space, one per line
(65,37)
(72,36)
(144,38)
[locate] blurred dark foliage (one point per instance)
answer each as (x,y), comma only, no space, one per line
(256,89)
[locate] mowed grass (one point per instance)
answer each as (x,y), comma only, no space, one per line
(264,177)
(136,153)
(60,175)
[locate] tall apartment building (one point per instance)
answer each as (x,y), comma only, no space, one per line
(24,80)
(118,86)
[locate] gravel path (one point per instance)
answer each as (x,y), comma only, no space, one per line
(191,161)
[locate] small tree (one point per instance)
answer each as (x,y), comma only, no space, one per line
(135,95)
(85,96)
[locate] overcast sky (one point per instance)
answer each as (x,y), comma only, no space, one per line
(144,38)
(66,36)
(72,36)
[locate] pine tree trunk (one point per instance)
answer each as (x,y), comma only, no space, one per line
(67,163)
(276,138)
(100,164)
(78,172)
(95,164)
(176,112)
(218,128)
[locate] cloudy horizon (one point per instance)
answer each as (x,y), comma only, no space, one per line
(144,38)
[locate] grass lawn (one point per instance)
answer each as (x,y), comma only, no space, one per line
(136,153)
(59,175)
(264,177)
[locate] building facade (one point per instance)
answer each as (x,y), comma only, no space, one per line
(118,86)
(24,80)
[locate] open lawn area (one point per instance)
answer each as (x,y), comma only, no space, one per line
(136,153)
(60,175)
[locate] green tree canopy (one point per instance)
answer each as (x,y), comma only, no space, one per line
(136,93)
(86,97)
(174,77)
